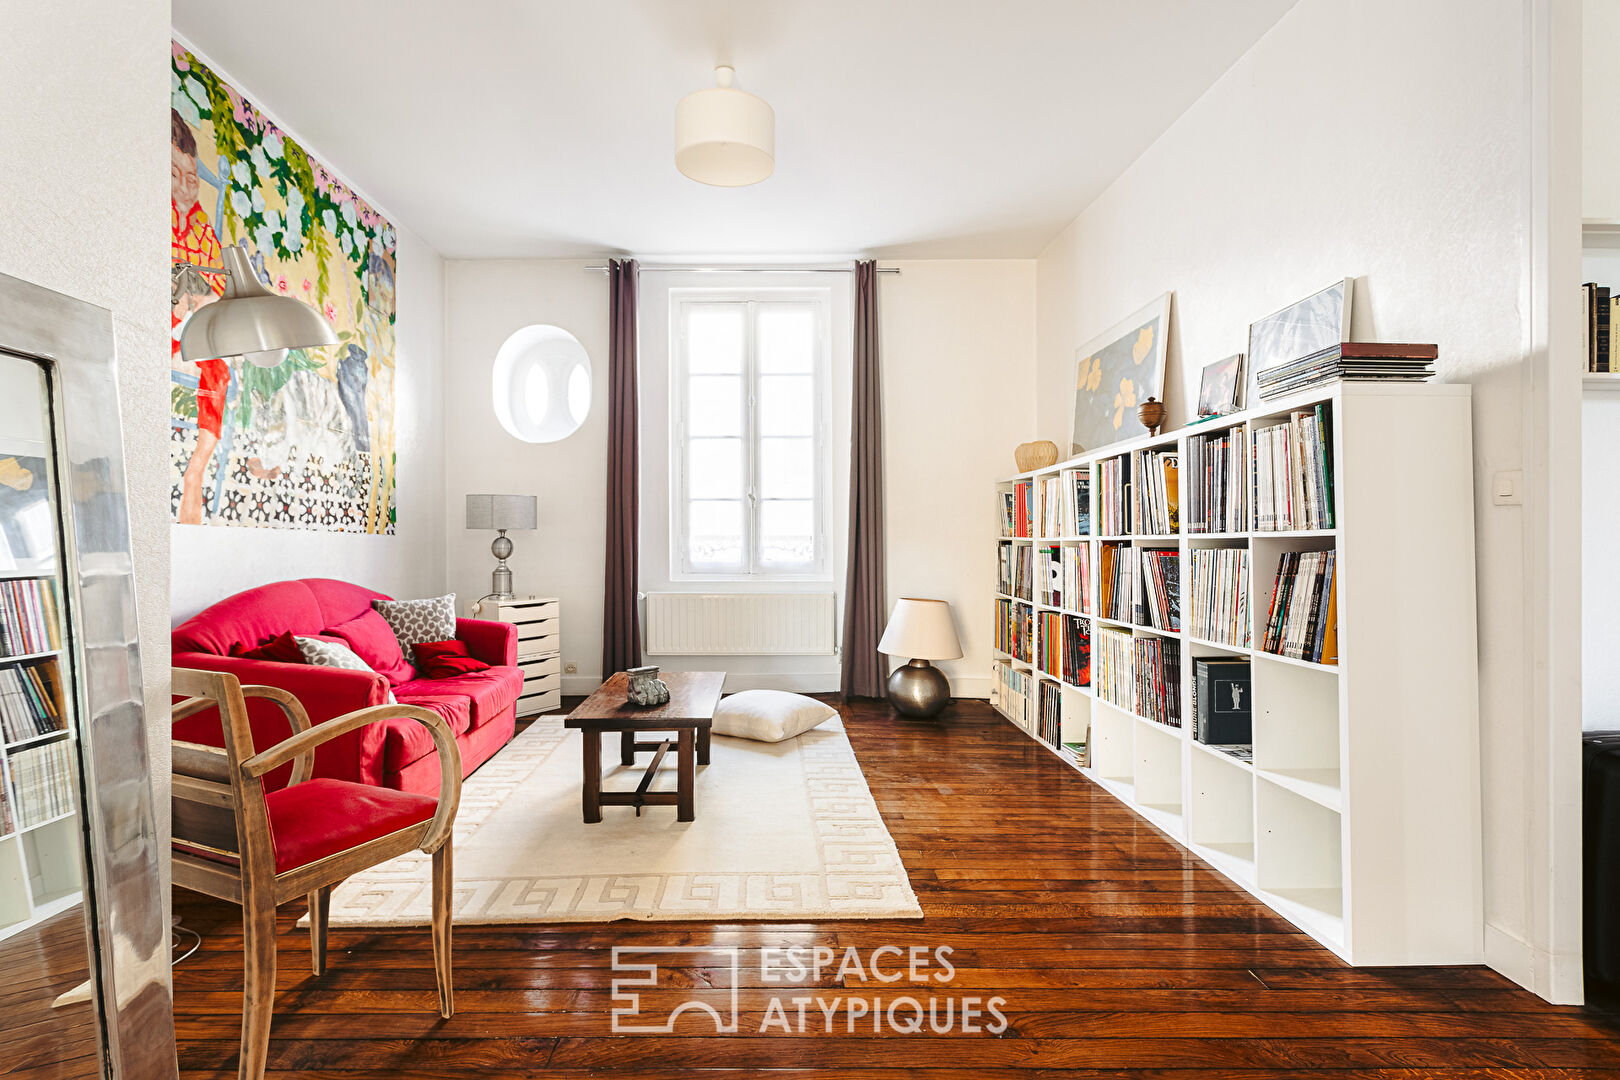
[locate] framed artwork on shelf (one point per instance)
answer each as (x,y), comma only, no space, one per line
(1115,372)
(1303,327)
(1220,389)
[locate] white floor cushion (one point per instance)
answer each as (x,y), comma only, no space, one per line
(769,715)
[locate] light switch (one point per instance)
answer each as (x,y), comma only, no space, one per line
(1507,488)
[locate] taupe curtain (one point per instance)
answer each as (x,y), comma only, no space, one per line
(865,581)
(621,623)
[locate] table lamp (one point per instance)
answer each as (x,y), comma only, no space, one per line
(501,512)
(922,630)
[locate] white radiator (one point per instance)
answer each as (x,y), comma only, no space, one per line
(743,624)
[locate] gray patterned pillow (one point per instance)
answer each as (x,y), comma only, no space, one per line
(416,621)
(334,654)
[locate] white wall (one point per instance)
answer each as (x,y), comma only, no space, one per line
(958,347)
(84,92)
(958,359)
(486,300)
(213,561)
(1600,572)
(1288,175)
(1600,114)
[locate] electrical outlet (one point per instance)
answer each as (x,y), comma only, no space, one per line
(1507,488)
(570,669)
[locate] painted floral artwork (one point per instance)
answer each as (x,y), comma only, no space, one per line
(308,443)
(1117,371)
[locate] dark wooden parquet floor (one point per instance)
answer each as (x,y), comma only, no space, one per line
(1116,954)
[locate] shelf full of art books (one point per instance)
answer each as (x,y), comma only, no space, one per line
(1234,653)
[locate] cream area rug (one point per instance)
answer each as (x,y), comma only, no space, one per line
(783,831)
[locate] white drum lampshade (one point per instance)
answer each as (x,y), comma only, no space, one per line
(725,137)
(922,630)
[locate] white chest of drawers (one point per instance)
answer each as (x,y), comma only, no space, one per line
(539,624)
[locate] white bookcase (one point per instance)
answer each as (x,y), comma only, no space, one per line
(1359,817)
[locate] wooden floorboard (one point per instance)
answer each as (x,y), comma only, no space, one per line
(1115,954)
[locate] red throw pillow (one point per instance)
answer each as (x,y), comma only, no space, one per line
(446,659)
(281,649)
(373,641)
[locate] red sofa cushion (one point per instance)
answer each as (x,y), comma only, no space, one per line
(491,691)
(281,649)
(373,641)
(317,818)
(446,659)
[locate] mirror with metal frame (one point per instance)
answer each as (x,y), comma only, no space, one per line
(84,944)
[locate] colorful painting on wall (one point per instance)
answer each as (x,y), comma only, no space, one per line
(307,443)
(1115,372)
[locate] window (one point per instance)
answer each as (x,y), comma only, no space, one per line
(748,434)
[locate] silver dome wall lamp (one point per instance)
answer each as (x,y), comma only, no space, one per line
(724,136)
(250,321)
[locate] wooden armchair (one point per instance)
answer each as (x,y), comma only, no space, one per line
(234,841)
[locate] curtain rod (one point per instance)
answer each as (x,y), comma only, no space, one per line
(602,269)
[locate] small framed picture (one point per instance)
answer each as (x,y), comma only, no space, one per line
(1221,389)
(1303,327)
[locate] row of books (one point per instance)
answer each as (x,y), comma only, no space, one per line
(1116,582)
(1113,495)
(1012,689)
(1350,361)
(28,617)
(1066,503)
(1158,680)
(1015,571)
(1293,472)
(42,782)
(1050,729)
(1156,511)
(1113,672)
(1139,674)
(1215,483)
(1049,646)
(29,701)
(1220,595)
(1302,622)
(1014,622)
(1161,587)
(1016,512)
(1064,574)
(1597,327)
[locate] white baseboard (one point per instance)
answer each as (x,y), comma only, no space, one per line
(971,686)
(1558,979)
(816,682)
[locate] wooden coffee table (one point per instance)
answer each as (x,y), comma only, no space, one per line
(688,713)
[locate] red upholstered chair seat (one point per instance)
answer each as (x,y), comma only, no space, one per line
(320,817)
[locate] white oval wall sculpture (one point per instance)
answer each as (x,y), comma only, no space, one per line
(542,384)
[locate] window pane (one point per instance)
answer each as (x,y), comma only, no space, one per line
(714,405)
(714,338)
(714,469)
(787,535)
(787,468)
(787,405)
(714,532)
(787,337)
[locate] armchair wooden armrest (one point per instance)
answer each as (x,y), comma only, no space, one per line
(305,741)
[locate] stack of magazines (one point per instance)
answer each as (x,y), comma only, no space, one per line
(1375,361)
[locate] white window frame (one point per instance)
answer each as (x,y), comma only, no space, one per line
(681,302)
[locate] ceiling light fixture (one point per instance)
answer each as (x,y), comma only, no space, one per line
(725,137)
(249,320)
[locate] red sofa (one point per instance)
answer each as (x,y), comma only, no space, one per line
(481,707)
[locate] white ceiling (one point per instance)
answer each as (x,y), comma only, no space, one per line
(922,128)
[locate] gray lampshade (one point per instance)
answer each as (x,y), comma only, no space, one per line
(500,511)
(249,319)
